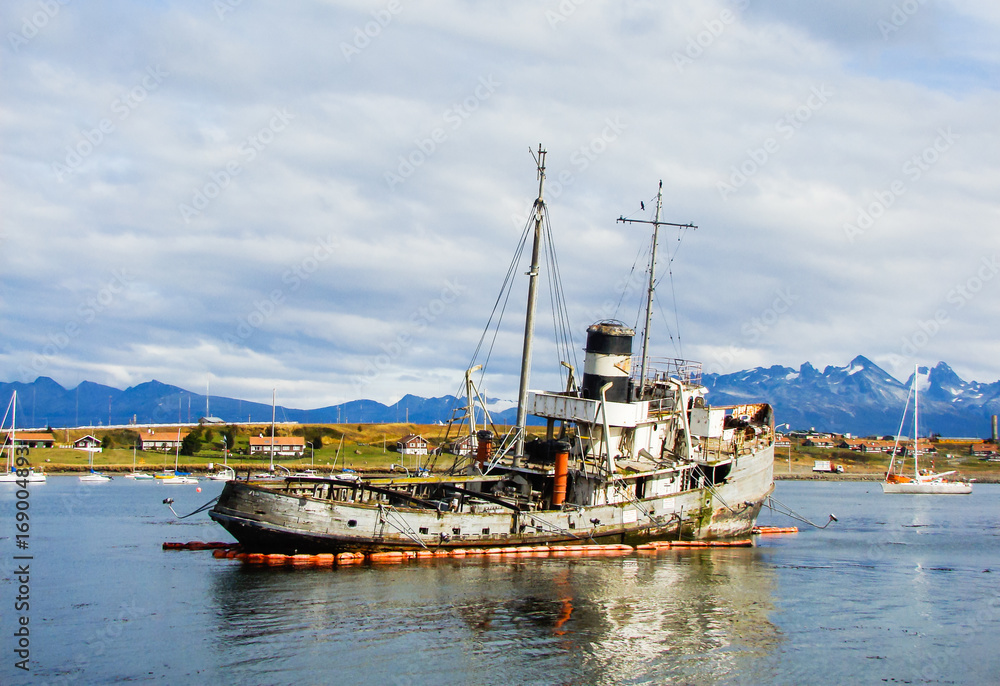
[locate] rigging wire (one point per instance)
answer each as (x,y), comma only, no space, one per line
(562,328)
(628,282)
(501,302)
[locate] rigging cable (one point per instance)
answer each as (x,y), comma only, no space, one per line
(562,327)
(504,296)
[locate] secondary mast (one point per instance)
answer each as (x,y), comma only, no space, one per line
(652,278)
(529,319)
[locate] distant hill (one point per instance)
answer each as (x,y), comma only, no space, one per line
(861,399)
(45,403)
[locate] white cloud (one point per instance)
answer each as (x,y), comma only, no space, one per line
(397,169)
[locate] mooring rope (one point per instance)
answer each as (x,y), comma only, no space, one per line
(789,512)
(169,502)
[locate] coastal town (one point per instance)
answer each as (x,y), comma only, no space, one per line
(391,447)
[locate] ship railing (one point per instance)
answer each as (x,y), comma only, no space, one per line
(659,369)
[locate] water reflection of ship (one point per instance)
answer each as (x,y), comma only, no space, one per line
(693,615)
(645,616)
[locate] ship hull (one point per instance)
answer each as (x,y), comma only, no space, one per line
(928,488)
(266,518)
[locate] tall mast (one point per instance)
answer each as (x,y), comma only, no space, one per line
(916,431)
(273,392)
(529,319)
(652,277)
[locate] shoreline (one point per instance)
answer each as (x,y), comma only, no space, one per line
(873,476)
(121,470)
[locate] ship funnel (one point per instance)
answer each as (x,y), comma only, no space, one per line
(608,360)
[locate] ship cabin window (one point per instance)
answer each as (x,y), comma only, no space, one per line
(352,523)
(486,531)
(424,530)
(457,531)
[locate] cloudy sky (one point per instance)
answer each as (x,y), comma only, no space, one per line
(324,197)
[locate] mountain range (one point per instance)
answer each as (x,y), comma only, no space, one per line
(861,399)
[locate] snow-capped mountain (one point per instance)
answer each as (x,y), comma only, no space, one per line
(861,398)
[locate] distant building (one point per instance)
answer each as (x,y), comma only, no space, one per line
(985,450)
(285,446)
(817,442)
(465,445)
(30,439)
(88,442)
(867,445)
(211,420)
(162,440)
(412,444)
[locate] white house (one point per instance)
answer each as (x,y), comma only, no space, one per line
(286,446)
(412,444)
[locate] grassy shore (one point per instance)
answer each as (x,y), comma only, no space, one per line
(371,448)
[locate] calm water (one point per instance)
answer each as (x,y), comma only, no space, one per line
(903,589)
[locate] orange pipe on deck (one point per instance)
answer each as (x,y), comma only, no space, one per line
(484,448)
(562,470)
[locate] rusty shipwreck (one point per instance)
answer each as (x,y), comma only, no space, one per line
(631,454)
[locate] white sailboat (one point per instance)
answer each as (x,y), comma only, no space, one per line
(93,477)
(138,476)
(225,472)
(923,481)
(175,477)
(11,475)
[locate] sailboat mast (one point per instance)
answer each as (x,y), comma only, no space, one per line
(916,431)
(529,319)
(649,291)
(13,430)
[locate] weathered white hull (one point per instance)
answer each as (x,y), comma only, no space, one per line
(12,477)
(928,488)
(264,519)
